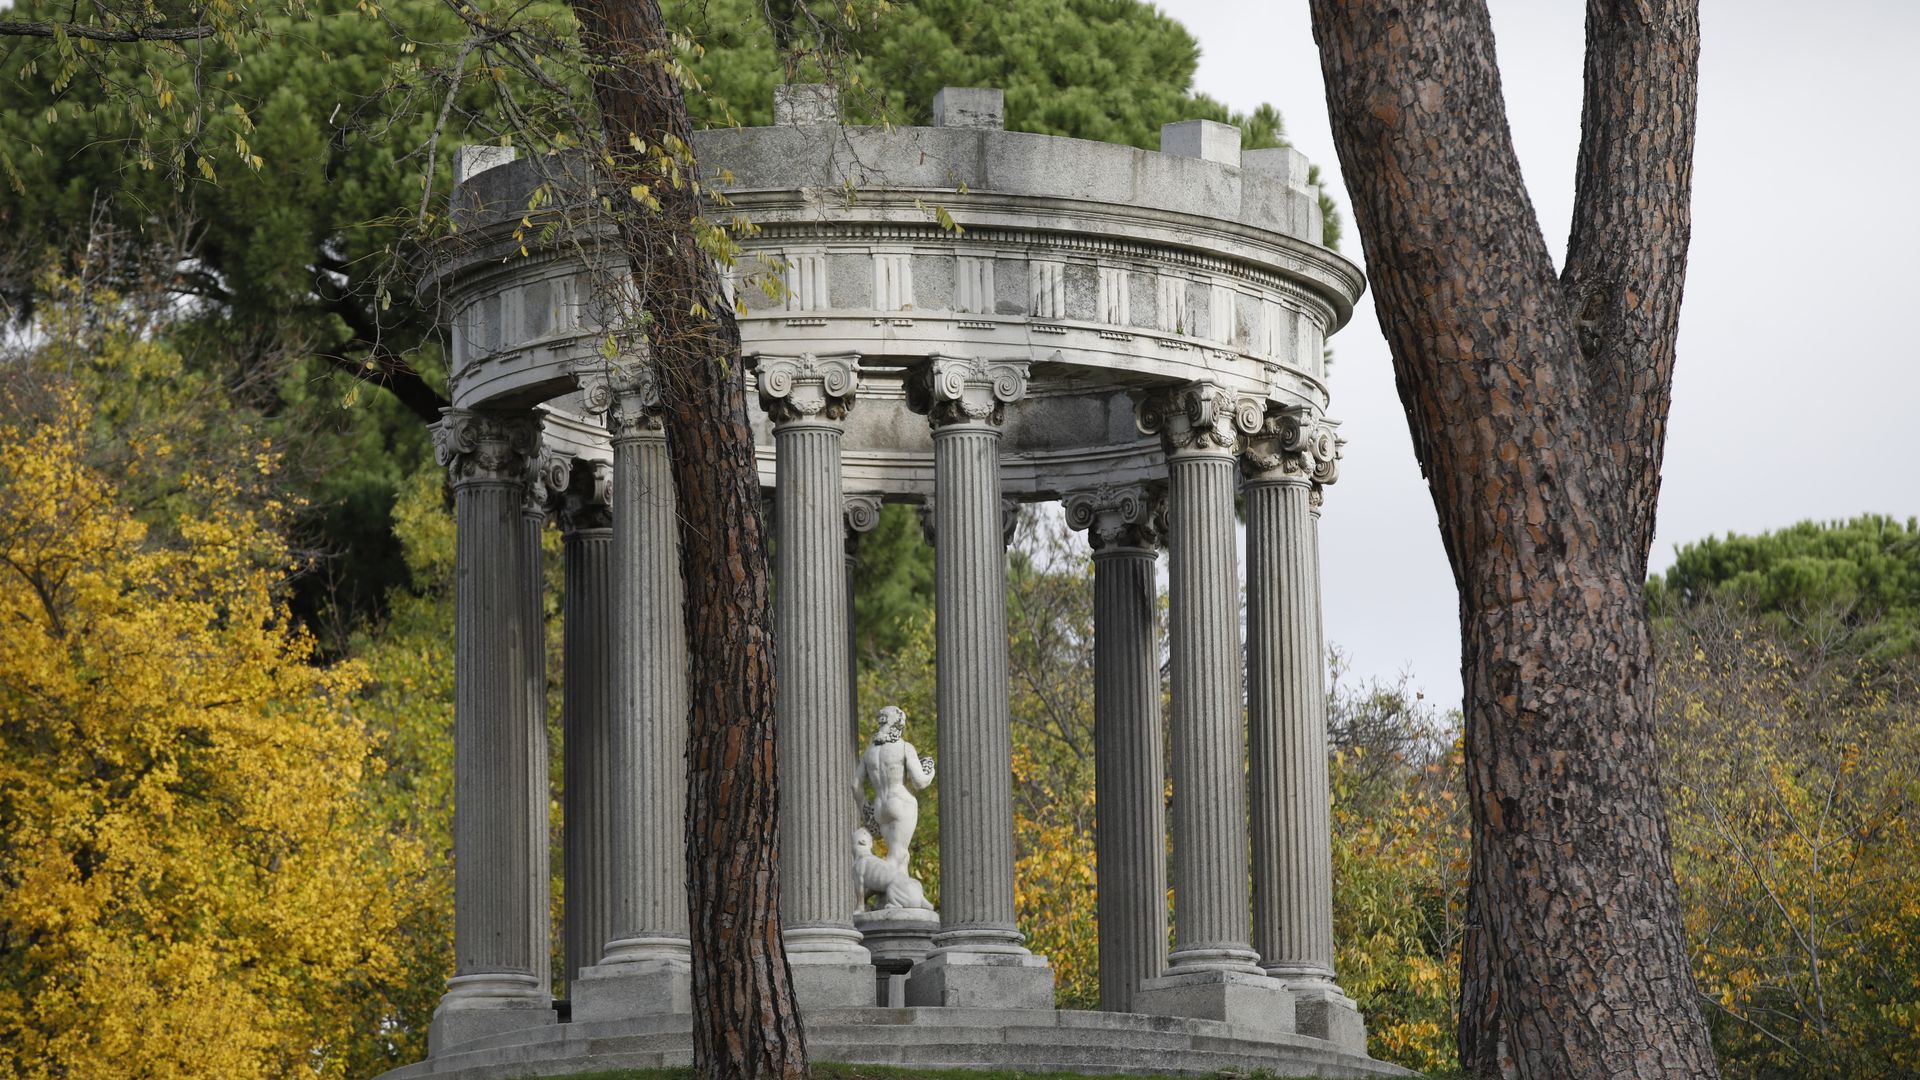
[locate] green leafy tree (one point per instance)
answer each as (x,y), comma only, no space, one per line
(1844,585)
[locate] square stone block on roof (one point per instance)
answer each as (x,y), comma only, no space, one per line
(805,104)
(1208,140)
(969,107)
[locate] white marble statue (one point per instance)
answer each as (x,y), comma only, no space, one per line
(877,877)
(888,766)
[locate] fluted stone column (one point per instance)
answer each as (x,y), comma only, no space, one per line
(1130,835)
(587,712)
(979,959)
(646,965)
(1285,463)
(500,866)
(1213,971)
(549,480)
(863,516)
(807,398)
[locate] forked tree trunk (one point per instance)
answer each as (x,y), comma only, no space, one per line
(1538,406)
(746,1024)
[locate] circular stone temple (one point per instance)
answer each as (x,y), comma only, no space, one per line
(1136,335)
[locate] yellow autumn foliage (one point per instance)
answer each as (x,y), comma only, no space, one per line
(191,886)
(1792,778)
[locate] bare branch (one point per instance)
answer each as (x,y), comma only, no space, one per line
(10,28)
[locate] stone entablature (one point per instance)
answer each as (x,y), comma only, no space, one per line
(1103,268)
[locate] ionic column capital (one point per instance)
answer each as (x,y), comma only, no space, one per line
(952,390)
(1122,516)
(797,389)
(585,502)
(1198,418)
(626,391)
(480,447)
(1293,445)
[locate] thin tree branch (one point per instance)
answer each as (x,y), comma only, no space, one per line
(95,33)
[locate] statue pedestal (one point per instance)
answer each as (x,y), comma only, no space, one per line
(897,938)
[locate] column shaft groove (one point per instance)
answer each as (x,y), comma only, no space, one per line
(975,729)
(1211,913)
(1293,876)
(648,744)
(817,813)
(1129,784)
(588,719)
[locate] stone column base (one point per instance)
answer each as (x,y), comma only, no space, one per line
(1236,997)
(1331,1015)
(479,1005)
(634,988)
(830,968)
(982,980)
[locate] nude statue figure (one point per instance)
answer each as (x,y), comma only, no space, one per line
(888,766)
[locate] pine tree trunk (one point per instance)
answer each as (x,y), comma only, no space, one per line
(746,1024)
(1538,407)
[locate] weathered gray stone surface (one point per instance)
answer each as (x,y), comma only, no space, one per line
(1250,1001)
(588,715)
(500,939)
(969,107)
(1123,526)
(1211,917)
(1033,1040)
(1208,140)
(806,396)
(648,742)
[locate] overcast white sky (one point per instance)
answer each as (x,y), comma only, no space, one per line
(1799,376)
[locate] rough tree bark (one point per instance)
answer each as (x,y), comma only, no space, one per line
(746,1024)
(1538,407)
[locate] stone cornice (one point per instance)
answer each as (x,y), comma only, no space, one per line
(959,390)
(1197,418)
(481,447)
(1118,516)
(807,387)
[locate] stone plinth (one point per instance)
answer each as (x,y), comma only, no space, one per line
(969,978)
(1254,1001)
(897,939)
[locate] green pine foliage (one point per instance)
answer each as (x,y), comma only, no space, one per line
(1850,586)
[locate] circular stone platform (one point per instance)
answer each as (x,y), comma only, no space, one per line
(1037,1040)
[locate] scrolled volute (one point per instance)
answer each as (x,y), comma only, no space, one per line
(863,512)
(626,391)
(487,447)
(807,386)
(1117,516)
(1197,417)
(1295,444)
(959,389)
